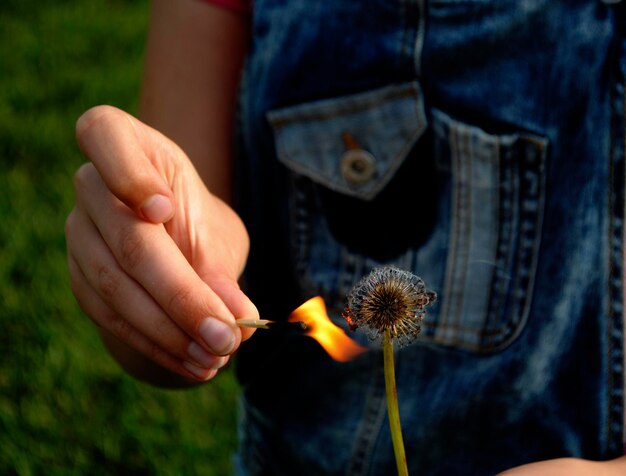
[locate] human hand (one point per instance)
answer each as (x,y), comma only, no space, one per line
(154,257)
(570,467)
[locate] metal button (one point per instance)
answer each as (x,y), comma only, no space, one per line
(357,166)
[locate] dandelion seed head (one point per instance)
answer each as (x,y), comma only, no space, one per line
(389,298)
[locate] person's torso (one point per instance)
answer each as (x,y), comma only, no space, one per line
(479,144)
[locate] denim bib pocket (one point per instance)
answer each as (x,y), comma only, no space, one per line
(496,207)
(458,206)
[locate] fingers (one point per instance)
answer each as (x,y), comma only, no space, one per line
(146,253)
(118,304)
(115,143)
(116,325)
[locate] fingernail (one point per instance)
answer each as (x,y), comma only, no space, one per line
(204,359)
(218,335)
(158,208)
(202,374)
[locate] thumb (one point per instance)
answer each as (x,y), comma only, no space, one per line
(111,139)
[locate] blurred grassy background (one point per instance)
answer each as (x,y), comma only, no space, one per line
(65,407)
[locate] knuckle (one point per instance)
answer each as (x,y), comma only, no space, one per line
(121,329)
(180,301)
(131,246)
(108,283)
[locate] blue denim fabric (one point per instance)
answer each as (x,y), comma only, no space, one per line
(480,144)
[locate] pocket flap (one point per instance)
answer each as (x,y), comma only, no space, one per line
(351,144)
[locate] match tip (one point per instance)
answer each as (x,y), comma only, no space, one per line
(301,325)
(289,325)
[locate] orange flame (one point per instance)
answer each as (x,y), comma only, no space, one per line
(319,326)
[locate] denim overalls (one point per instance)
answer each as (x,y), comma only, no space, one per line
(480,144)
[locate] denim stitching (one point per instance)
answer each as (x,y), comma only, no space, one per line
(507,213)
(371,424)
(622,215)
(301,230)
(454,238)
(615,286)
(464,206)
(529,190)
(530,227)
(419,39)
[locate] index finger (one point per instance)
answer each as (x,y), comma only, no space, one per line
(111,139)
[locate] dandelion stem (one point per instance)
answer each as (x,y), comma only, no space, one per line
(392,405)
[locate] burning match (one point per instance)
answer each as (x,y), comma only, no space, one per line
(267,324)
(319,326)
(311,319)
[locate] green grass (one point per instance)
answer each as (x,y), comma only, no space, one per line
(65,407)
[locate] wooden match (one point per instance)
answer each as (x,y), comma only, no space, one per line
(267,324)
